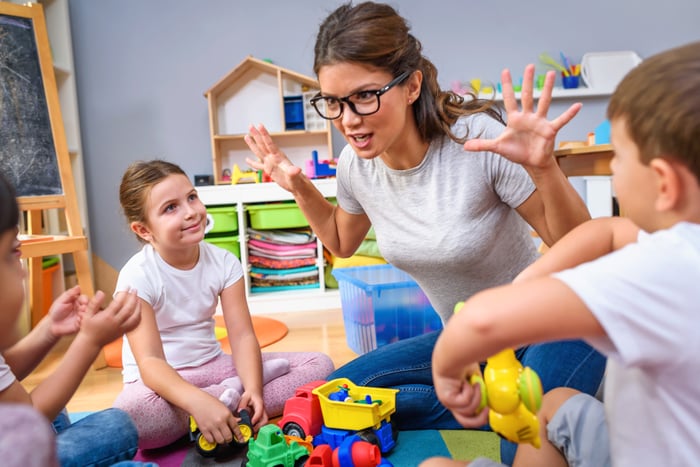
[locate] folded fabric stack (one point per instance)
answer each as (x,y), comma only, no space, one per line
(282,260)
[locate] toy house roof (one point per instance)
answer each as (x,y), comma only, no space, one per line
(252,64)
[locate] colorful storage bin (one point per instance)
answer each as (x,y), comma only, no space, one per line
(275,216)
(222,219)
(382,304)
(229,242)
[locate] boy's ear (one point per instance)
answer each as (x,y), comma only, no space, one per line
(669,184)
(141,230)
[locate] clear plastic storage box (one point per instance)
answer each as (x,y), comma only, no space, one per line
(382,304)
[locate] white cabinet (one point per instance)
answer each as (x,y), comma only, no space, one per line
(270,302)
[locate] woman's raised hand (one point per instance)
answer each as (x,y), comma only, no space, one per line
(270,159)
(528,138)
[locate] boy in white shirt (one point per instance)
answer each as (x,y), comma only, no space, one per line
(630,286)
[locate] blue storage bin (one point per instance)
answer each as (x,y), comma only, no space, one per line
(382,304)
(294,113)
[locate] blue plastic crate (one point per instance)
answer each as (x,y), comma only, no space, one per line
(382,304)
(293,113)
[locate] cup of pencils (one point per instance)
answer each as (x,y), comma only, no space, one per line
(570,74)
(569,81)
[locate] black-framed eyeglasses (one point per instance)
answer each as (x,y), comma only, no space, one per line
(362,103)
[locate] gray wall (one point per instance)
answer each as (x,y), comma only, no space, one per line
(142,67)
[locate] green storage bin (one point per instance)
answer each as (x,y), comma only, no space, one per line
(276,216)
(223,219)
(229,243)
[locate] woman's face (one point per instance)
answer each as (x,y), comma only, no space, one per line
(381,132)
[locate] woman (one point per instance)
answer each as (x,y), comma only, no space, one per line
(456,221)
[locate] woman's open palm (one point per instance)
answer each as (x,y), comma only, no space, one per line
(528,138)
(270,159)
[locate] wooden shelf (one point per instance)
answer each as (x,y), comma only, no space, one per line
(255,91)
(47,245)
(585,160)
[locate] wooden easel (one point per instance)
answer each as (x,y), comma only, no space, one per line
(37,242)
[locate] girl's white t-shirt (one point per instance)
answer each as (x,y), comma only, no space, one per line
(184,303)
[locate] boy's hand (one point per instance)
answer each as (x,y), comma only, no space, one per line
(462,398)
(65,312)
(120,317)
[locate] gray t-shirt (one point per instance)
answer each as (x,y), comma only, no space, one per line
(449,222)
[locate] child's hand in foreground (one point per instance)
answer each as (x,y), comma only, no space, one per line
(66,311)
(118,318)
(462,398)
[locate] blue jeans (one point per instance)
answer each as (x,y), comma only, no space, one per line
(406,365)
(100,439)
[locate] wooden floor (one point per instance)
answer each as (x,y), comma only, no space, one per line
(321,331)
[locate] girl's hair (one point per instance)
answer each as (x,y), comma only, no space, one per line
(138,180)
(660,102)
(374,34)
(9,210)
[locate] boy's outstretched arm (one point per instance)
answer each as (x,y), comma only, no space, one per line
(588,241)
(98,328)
(510,316)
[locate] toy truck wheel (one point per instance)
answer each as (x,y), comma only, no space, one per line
(394,430)
(370,437)
(301,462)
(246,428)
(293,429)
(204,447)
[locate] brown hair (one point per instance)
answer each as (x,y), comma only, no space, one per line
(374,34)
(660,102)
(9,211)
(138,180)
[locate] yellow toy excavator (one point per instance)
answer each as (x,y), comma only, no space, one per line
(513,394)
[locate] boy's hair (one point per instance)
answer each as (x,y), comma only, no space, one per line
(9,210)
(136,184)
(660,102)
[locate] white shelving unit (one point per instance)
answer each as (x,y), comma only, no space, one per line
(557,93)
(250,193)
(256,91)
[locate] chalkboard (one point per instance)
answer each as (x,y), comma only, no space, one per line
(27,150)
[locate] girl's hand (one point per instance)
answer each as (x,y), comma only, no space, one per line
(255,405)
(271,159)
(120,317)
(461,398)
(528,138)
(65,312)
(214,419)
